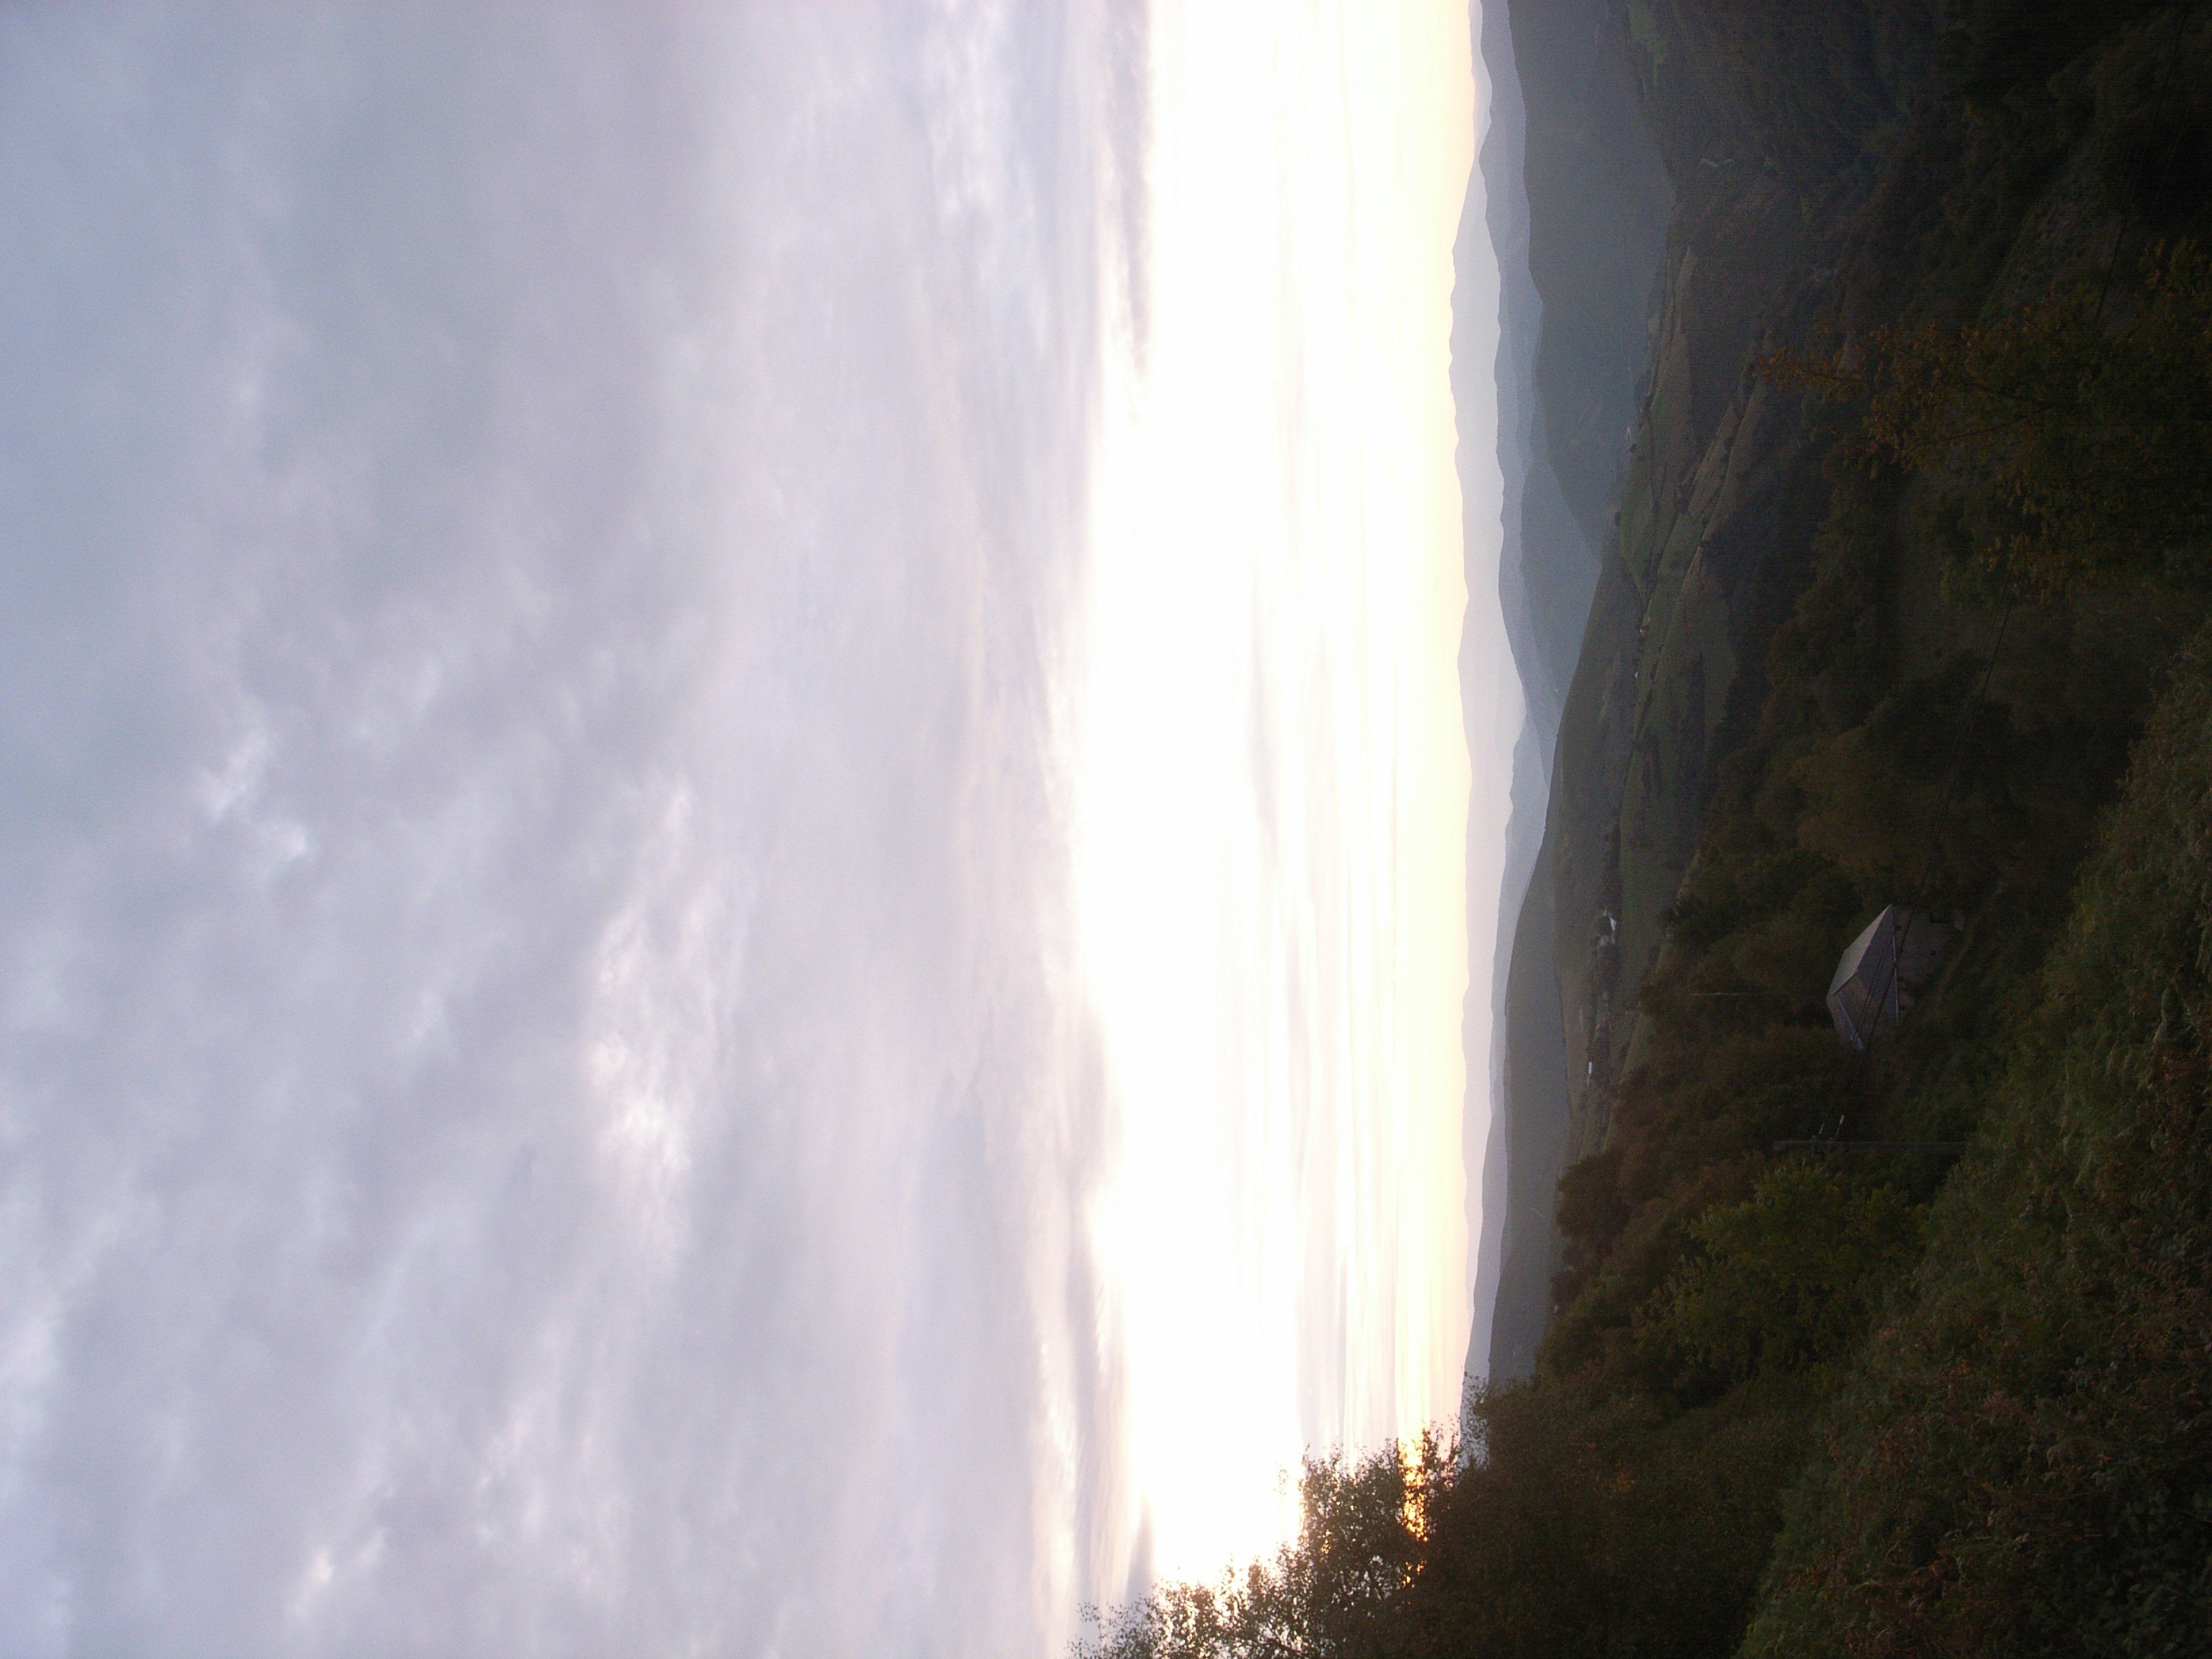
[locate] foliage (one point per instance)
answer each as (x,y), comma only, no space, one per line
(2082,444)
(1947,743)
(1331,1591)
(1932,796)
(2057,456)
(1991,46)
(1796,89)
(2026,1466)
(2153,150)
(1591,1207)
(1788,1277)
(1596,1524)
(1575,1525)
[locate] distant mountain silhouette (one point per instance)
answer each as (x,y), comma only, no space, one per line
(1571,196)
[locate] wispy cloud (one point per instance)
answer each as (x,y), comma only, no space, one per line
(539,1108)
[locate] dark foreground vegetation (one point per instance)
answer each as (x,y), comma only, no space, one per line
(1883,1403)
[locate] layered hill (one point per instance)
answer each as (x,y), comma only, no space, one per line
(1765,127)
(1570,201)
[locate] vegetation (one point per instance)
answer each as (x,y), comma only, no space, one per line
(1883,1405)
(2075,450)
(2024,1465)
(1338,1588)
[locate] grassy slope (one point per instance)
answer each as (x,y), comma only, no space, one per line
(1769,125)
(1777,786)
(2024,1464)
(1903,741)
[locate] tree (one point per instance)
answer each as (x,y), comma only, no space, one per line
(1331,1593)
(2075,434)
(1787,1279)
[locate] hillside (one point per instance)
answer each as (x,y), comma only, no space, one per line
(1575,206)
(1909,602)
(1723,492)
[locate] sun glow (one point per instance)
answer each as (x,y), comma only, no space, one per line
(1272,789)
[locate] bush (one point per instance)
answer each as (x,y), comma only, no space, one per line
(2025,1467)
(1789,1278)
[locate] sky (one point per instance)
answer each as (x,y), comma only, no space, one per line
(736,812)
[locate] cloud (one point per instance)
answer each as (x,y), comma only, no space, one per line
(539,1111)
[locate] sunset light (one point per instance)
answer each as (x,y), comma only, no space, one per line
(1273,785)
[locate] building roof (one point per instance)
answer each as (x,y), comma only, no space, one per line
(1880,969)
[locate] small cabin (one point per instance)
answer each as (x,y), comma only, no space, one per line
(1879,972)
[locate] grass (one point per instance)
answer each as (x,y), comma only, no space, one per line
(2024,1463)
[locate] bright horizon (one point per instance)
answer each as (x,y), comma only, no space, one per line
(1272,775)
